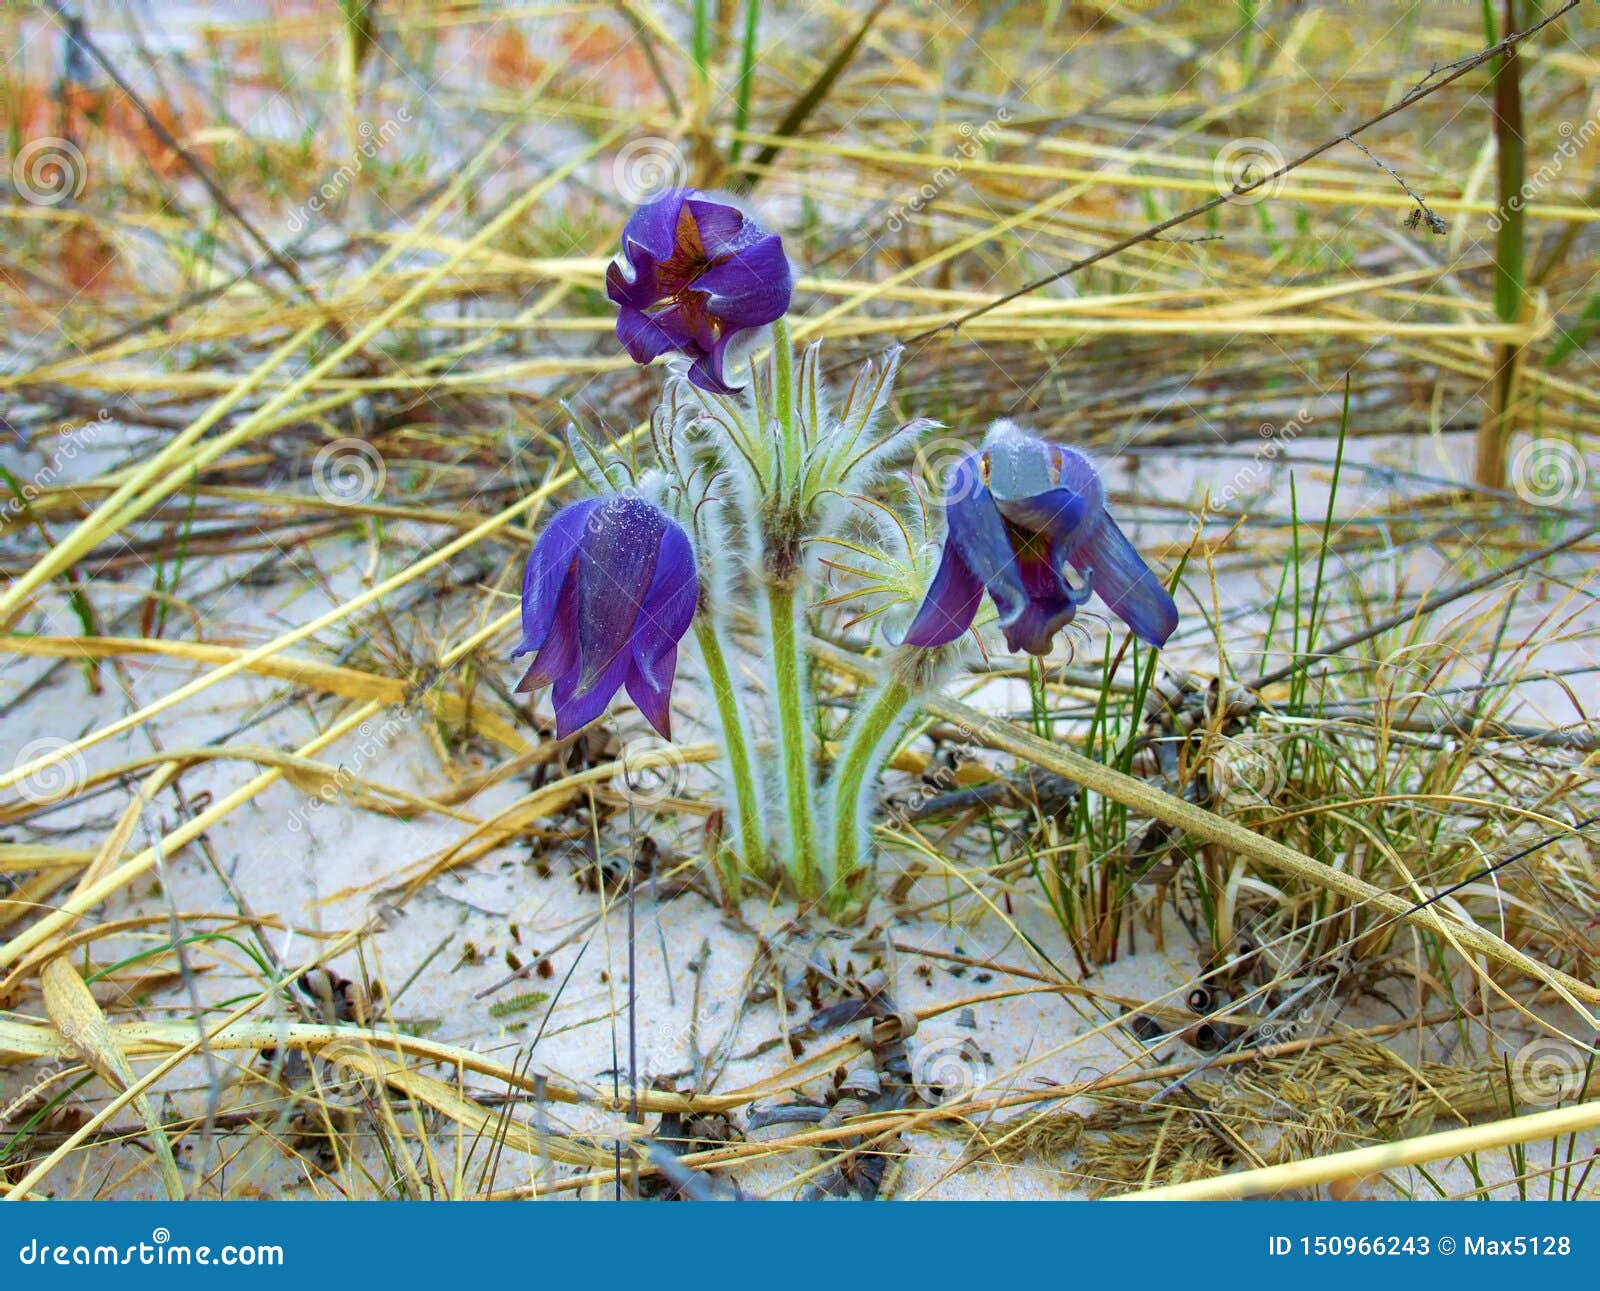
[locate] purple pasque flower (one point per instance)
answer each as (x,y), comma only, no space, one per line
(1017,512)
(609,591)
(694,273)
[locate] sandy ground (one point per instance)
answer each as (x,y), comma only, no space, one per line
(445,955)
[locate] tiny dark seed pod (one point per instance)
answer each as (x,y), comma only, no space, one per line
(1200,999)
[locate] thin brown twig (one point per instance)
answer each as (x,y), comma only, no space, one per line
(1418,92)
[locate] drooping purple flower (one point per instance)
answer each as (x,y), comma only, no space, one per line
(609,591)
(694,273)
(1018,512)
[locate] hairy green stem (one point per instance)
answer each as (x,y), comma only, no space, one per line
(747,801)
(871,728)
(790,675)
(1467,938)
(783,397)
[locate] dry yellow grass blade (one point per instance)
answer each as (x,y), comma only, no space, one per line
(29,897)
(1198,822)
(23,1040)
(159,471)
(313,778)
(189,1040)
(74,1013)
(330,679)
(514,819)
(243,660)
(112,848)
(23,858)
(90,895)
(491,1125)
(907,212)
(997,733)
(1384,198)
(1272,1181)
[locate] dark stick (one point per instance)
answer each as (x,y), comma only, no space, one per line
(80,37)
(1417,92)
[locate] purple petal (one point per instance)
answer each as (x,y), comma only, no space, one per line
(616,564)
(1075,471)
(549,566)
(1055,512)
(706,371)
(644,337)
(663,619)
(1044,526)
(653,697)
(688,321)
(983,542)
(576,707)
(723,229)
(558,656)
(1123,581)
(1034,630)
(668,607)
(632,284)
(647,239)
(653,227)
(1018,465)
(1052,604)
(751,288)
(950,605)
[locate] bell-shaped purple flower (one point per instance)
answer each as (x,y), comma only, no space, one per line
(609,591)
(1018,512)
(694,273)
